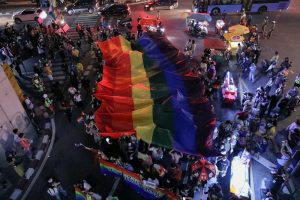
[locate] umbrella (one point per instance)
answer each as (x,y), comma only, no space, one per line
(200,17)
(203,169)
(212,43)
(232,37)
(238,29)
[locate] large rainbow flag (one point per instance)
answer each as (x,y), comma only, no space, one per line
(147,90)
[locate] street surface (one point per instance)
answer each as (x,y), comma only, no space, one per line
(71,164)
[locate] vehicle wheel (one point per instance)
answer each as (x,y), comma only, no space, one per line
(70,12)
(262,9)
(171,7)
(17,21)
(215,11)
(91,10)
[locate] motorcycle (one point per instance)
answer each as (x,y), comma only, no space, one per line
(200,29)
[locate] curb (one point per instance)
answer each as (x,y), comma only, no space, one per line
(35,169)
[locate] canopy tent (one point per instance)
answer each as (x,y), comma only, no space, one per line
(232,37)
(238,29)
(148,92)
(211,43)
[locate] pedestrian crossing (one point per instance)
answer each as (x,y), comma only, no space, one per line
(57,72)
(91,20)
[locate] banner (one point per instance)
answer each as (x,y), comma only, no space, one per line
(134,181)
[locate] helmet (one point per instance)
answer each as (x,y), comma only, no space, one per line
(36,75)
(45,96)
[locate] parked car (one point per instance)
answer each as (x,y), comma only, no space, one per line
(116,10)
(161,4)
(81,6)
(27,15)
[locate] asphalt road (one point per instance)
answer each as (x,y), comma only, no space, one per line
(72,164)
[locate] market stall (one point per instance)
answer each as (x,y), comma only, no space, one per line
(217,47)
(238,29)
(233,40)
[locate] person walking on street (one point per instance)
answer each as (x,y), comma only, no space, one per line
(75,54)
(269,85)
(55,189)
(78,100)
(29,105)
(264,26)
(139,30)
(239,52)
(79,69)
(193,47)
(273,102)
(252,72)
(48,71)
(158,15)
(272,29)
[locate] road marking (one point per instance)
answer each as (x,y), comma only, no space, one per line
(268,164)
(5,13)
(252,184)
(114,187)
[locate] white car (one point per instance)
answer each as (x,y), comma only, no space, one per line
(27,15)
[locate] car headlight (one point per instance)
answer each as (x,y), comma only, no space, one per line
(146,6)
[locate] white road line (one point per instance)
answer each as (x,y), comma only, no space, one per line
(268,164)
(252,184)
(114,187)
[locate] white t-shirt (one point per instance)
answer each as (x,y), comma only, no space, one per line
(29,104)
(52,191)
(77,98)
(72,90)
